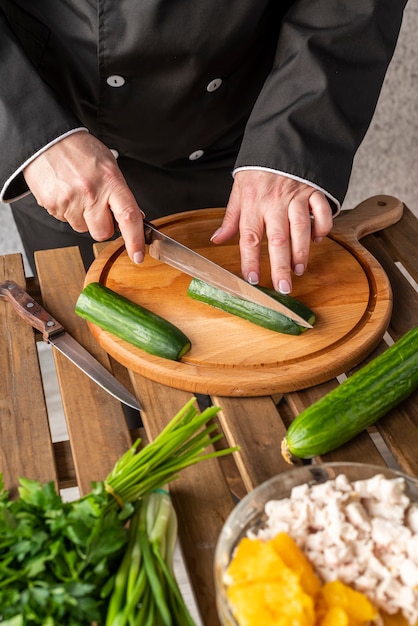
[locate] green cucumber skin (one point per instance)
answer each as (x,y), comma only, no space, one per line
(262,316)
(358,402)
(131,322)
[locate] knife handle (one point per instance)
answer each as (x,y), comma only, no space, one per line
(30,310)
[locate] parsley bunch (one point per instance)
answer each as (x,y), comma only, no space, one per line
(55,557)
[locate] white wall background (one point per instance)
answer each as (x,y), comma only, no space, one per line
(387,161)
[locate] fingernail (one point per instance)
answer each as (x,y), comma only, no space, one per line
(318,239)
(138,257)
(284,287)
(253,278)
(299,269)
(216,233)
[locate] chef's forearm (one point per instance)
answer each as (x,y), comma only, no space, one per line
(31,117)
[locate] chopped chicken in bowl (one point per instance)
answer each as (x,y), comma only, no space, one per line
(324,544)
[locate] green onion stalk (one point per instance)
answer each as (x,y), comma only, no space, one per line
(146,591)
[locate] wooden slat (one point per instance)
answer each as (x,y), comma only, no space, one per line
(25,443)
(401,241)
(65,465)
(200,495)
(300,400)
(254,424)
(399,429)
(405,297)
(95,420)
(360,449)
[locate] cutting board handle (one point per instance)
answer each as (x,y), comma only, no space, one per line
(371,215)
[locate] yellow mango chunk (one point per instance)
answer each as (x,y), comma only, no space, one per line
(335,616)
(249,603)
(271,603)
(294,558)
(272,583)
(357,606)
(263,590)
(256,560)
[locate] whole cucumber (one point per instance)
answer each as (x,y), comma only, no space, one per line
(357,403)
(131,322)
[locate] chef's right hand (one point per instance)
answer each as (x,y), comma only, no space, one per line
(77,180)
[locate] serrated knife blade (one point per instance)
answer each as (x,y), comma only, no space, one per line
(168,250)
(55,334)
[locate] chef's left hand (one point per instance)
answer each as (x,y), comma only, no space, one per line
(282,208)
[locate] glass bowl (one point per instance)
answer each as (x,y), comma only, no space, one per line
(249,513)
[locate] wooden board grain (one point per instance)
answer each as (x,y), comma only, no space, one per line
(344,285)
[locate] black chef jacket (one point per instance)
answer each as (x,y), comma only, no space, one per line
(184,92)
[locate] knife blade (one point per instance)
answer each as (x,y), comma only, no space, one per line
(173,253)
(56,335)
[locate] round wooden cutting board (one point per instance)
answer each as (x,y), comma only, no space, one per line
(344,285)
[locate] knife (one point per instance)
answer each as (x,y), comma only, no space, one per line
(55,334)
(168,250)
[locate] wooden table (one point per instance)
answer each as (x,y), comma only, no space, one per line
(98,433)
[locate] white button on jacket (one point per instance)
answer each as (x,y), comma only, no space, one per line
(196,155)
(115,80)
(214,84)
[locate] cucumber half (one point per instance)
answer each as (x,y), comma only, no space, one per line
(260,315)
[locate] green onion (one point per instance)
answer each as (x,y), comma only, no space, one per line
(179,445)
(145,583)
